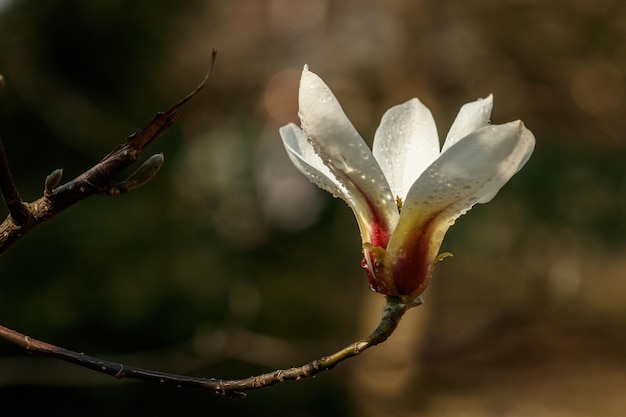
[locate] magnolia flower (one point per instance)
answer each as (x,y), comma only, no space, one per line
(405,192)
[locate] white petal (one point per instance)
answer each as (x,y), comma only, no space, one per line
(472,171)
(309,163)
(343,151)
(471,117)
(405,144)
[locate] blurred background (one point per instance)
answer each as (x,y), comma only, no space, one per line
(231,263)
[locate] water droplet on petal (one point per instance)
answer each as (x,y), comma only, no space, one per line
(363,263)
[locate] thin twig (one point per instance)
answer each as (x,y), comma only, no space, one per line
(391,315)
(96,180)
(17,209)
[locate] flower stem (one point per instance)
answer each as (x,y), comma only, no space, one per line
(391,315)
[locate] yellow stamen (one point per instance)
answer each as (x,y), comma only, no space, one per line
(399,203)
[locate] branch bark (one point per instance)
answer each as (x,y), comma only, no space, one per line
(23,217)
(391,315)
(17,209)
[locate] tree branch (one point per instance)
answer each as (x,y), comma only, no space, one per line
(97,180)
(17,209)
(391,315)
